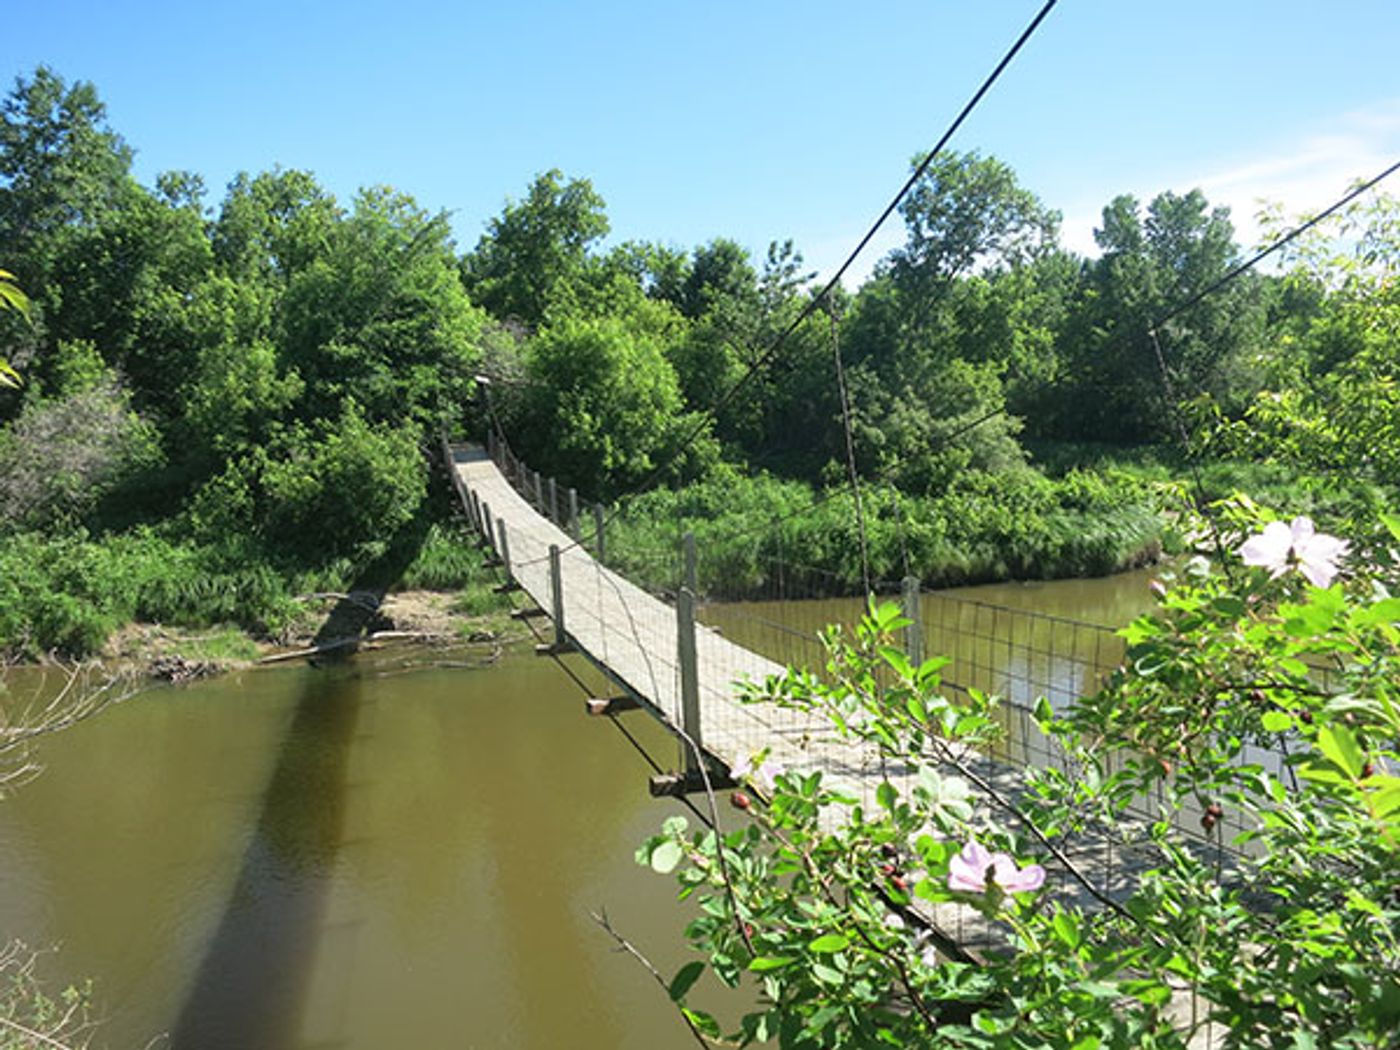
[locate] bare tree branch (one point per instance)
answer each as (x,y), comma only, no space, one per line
(623,944)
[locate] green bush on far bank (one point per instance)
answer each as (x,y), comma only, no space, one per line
(985,527)
(69,593)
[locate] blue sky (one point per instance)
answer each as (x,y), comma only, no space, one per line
(755,120)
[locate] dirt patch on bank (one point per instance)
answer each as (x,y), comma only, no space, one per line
(178,654)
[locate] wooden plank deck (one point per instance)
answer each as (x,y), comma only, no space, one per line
(631,635)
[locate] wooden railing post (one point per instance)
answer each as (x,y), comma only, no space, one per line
(491,444)
(600,540)
(556,595)
(475,505)
(914,633)
(690,579)
(573,513)
(504,545)
(539,493)
(687,658)
(553,501)
(490,524)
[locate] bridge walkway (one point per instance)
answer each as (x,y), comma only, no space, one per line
(633,637)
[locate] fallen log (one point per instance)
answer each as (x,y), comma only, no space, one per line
(345,643)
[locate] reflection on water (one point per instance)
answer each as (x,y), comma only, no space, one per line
(268,930)
(349,857)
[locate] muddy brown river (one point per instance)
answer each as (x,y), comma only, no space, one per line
(368,855)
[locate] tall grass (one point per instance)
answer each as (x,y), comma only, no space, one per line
(68,593)
(1009,525)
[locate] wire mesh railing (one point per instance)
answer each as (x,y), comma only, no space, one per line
(624,615)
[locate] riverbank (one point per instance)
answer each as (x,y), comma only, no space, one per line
(410,617)
(761,537)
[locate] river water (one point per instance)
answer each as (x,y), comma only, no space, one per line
(368,855)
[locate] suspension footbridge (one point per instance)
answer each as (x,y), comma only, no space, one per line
(657,655)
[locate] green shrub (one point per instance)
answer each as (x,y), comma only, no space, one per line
(67,594)
(1016,524)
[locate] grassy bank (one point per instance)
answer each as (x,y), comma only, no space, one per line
(71,594)
(985,527)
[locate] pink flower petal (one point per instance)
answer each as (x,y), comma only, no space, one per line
(967,872)
(1301,531)
(1321,549)
(1318,573)
(1031,877)
(1269,549)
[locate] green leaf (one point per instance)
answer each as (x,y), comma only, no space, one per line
(1066,928)
(1339,744)
(1356,902)
(886,795)
(1044,713)
(1387,610)
(706,1024)
(1392,523)
(918,710)
(1276,722)
(1386,798)
(666,856)
(770,962)
(684,980)
(828,943)
(898,662)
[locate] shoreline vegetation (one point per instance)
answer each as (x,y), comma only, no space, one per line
(408,618)
(218,406)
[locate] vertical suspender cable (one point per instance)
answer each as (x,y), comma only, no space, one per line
(850,451)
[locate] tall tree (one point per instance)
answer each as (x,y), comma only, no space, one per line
(381,317)
(527,262)
(967,211)
(602,404)
(1152,261)
(60,166)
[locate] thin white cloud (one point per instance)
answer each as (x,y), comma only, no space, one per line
(1303,175)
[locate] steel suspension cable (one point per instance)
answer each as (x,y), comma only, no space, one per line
(816,301)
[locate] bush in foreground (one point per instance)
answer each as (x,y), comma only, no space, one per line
(1278,925)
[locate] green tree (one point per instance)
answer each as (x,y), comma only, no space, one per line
(966,212)
(60,166)
(61,169)
(381,317)
(273,225)
(602,404)
(526,265)
(128,283)
(1151,263)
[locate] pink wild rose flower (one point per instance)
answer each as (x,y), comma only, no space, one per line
(761,770)
(976,868)
(1281,547)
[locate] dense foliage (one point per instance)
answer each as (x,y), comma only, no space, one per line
(1257,705)
(261,380)
(219,404)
